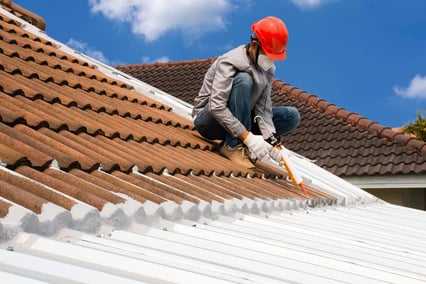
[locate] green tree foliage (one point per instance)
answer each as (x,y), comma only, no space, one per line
(417,127)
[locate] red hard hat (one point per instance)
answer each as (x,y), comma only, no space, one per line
(272,34)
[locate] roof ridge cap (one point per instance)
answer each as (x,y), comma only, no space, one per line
(170,63)
(353,118)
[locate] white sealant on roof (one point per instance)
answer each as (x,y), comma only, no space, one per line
(228,206)
(172,210)
(49,221)
(12,222)
(133,209)
(191,210)
(85,218)
(114,215)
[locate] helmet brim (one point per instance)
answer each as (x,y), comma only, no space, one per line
(275,56)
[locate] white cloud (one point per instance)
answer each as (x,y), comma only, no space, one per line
(310,4)
(153,19)
(89,51)
(416,89)
(162,59)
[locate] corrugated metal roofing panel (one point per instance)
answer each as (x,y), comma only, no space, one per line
(328,245)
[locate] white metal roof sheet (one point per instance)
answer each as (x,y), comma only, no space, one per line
(376,243)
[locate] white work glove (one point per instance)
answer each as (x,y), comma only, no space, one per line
(257,145)
(276,153)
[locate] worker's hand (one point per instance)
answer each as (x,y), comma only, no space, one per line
(276,153)
(257,145)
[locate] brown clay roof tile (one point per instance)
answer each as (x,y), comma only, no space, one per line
(22,13)
(19,196)
(4,208)
(63,185)
(21,144)
(37,189)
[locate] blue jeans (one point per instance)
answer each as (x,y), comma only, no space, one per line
(284,118)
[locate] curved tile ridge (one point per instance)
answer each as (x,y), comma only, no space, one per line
(169,64)
(181,79)
(353,118)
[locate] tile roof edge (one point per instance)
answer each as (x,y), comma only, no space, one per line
(27,15)
(178,106)
(168,63)
(353,118)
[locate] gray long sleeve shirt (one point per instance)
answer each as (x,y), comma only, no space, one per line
(217,86)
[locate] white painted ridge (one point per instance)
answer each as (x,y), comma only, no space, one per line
(206,209)
(251,205)
(11,223)
(277,205)
(113,215)
(50,220)
(265,205)
(217,208)
(50,211)
(153,209)
(235,205)
(132,208)
(85,218)
(172,210)
(190,210)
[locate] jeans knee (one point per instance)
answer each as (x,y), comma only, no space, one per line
(285,119)
(243,80)
(295,115)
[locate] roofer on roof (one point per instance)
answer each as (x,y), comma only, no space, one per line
(237,87)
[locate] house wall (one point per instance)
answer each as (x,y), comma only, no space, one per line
(408,197)
(407,190)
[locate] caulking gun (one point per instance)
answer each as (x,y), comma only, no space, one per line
(284,156)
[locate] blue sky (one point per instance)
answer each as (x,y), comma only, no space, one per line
(367,56)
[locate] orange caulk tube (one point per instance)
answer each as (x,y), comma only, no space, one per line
(294,176)
(285,157)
